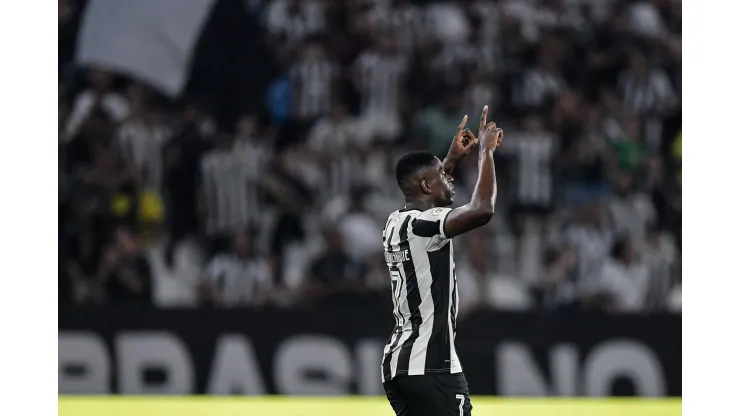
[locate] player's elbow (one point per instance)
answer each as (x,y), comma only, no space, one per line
(486,215)
(483,214)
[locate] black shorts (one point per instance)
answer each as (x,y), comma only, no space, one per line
(429,395)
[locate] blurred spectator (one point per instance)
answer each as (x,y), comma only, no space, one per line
(256,149)
(531,194)
(474,274)
(181,168)
(125,273)
(291,197)
(358,226)
(569,114)
(587,161)
(82,237)
(238,277)
(294,20)
(99,95)
(590,238)
(558,288)
(141,139)
(473,52)
(112,185)
(434,125)
(480,91)
(661,256)
(538,17)
(335,274)
(541,83)
(280,98)
(403,20)
(629,146)
(95,131)
(674,300)
(533,148)
(313,78)
(630,210)
(645,88)
(665,194)
(448,20)
(645,20)
(488,16)
(379,75)
(623,279)
(226,187)
(334,141)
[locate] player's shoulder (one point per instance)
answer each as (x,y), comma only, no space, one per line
(393,214)
(403,215)
(429,226)
(434,214)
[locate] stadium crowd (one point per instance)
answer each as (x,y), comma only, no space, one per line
(278,196)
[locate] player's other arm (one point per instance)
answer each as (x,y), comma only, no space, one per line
(479,210)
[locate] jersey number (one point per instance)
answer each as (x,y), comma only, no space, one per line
(461,397)
(396,284)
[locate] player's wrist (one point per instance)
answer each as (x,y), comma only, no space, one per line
(484,150)
(449,163)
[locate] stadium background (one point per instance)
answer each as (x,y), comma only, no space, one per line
(225,168)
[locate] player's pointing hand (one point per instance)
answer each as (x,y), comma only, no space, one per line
(489,135)
(462,143)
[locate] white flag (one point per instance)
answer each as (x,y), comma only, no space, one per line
(149,40)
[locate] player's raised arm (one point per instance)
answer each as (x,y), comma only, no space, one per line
(479,210)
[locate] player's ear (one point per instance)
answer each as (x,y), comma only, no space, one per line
(426,186)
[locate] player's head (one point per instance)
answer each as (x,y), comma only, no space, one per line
(421,175)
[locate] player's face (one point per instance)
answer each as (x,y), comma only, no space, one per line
(443,190)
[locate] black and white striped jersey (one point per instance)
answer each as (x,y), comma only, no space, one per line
(313,80)
(652,94)
(533,174)
(381,79)
(230,188)
(142,144)
(420,260)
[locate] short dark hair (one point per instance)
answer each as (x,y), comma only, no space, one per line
(410,163)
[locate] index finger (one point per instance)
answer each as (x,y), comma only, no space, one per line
(462,124)
(483,117)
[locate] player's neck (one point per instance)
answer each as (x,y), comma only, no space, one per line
(421,205)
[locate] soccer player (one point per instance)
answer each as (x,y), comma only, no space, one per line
(422,375)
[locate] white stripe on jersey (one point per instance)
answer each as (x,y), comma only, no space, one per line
(419,350)
(424,292)
(452,317)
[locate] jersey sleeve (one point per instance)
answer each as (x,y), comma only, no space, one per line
(430,226)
